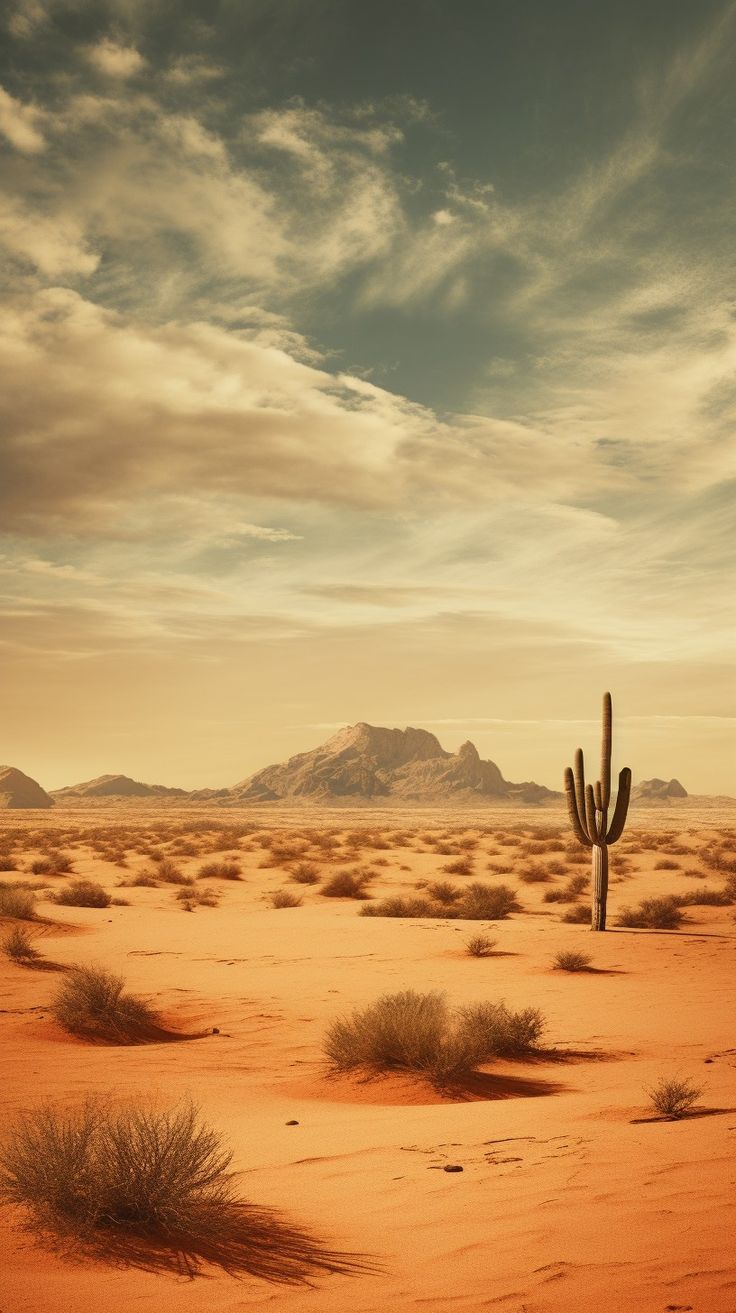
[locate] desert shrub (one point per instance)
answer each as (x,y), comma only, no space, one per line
(570,960)
(220,871)
(191,898)
(92,1002)
(557,868)
(653,914)
(534,873)
(7,862)
(82,893)
(577,884)
(499,1031)
(18,903)
(707,897)
(463,866)
(480,946)
(665,864)
(135,1168)
(444,891)
(486,902)
(41,866)
(695,873)
(499,868)
(170,873)
(285,898)
(347,884)
(405,1031)
(305,873)
(403,907)
(673,1097)
(143,880)
(578,915)
(19,946)
(557,896)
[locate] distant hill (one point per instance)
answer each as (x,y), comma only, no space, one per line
(658,790)
(369,762)
(19,790)
(115,786)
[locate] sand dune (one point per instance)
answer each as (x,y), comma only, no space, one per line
(572,1194)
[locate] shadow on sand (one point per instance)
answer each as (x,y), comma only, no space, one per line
(693,1115)
(236,1238)
(480,1086)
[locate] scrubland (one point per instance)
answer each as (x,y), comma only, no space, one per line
(378,1059)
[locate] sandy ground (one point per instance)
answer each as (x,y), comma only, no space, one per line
(573,1195)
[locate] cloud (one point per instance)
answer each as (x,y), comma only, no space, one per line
(264,534)
(114,60)
(19,124)
(54,246)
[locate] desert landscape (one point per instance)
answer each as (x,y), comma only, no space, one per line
(541,1180)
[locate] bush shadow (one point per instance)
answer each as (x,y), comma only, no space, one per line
(237,1238)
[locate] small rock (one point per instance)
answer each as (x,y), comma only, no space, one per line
(291,1123)
(215,1030)
(454,1167)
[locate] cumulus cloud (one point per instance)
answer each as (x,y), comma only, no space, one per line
(114,60)
(19,124)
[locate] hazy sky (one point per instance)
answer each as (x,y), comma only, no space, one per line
(366,361)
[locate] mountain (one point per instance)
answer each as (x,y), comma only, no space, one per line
(115,786)
(657,790)
(370,762)
(19,790)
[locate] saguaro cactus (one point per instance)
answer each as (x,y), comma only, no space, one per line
(588,808)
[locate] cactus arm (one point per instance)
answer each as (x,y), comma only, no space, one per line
(622,806)
(572,808)
(579,774)
(598,792)
(606,745)
(591,824)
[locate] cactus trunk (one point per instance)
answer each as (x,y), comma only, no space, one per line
(600,887)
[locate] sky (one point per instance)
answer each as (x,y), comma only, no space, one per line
(366,362)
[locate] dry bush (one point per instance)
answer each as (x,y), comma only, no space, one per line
(557,896)
(143,880)
(417,1033)
(220,871)
(347,884)
(708,897)
(570,960)
(305,873)
(480,946)
(285,898)
(403,907)
(152,1188)
(499,868)
(17,902)
(92,1003)
(501,1032)
(666,864)
(653,914)
(443,891)
(534,873)
(577,884)
(170,873)
(557,868)
(191,898)
(673,1097)
(463,866)
(18,946)
(486,902)
(695,873)
(82,893)
(578,915)
(7,861)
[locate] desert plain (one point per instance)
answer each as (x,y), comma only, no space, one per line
(574,1194)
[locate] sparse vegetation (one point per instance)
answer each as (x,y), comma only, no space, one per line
(285,898)
(93,1003)
(418,1033)
(653,914)
(191,898)
(17,902)
(82,893)
(225,870)
(18,946)
(480,946)
(674,1097)
(570,960)
(347,884)
(305,873)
